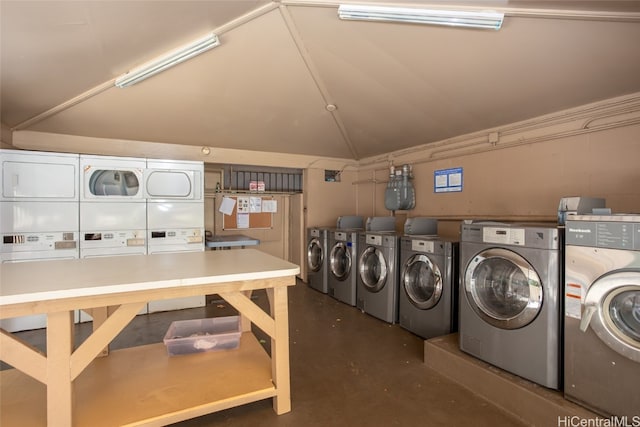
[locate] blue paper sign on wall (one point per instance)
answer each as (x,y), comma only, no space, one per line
(447,180)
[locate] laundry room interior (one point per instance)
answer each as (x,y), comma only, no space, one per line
(410,211)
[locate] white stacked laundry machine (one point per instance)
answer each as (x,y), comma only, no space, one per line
(113,209)
(39,217)
(175,216)
(57,205)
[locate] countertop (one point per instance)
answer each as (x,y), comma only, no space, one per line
(47,280)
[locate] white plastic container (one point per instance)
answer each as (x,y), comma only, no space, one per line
(200,335)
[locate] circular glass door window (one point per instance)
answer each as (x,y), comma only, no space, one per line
(314,255)
(340,261)
(422,281)
(624,310)
(616,300)
(373,269)
(503,288)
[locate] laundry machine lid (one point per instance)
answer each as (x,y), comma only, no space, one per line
(503,288)
(612,309)
(315,255)
(372,267)
(340,261)
(422,281)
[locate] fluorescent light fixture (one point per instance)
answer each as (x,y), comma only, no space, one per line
(172,58)
(456,18)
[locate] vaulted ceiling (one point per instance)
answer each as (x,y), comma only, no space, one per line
(282,66)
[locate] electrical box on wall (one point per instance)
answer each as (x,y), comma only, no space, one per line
(331,176)
(400,194)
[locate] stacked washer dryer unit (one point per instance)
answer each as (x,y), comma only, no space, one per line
(317,264)
(602,314)
(428,294)
(38,213)
(175,216)
(342,246)
(113,210)
(510,298)
(113,214)
(377,279)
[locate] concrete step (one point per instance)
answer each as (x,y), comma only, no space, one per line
(526,401)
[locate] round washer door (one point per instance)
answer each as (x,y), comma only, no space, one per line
(373,269)
(422,281)
(503,288)
(315,255)
(612,309)
(340,261)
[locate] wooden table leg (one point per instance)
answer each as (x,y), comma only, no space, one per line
(59,384)
(280,349)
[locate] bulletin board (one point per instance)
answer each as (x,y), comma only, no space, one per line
(256,220)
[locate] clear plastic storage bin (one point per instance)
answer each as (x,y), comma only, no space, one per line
(200,335)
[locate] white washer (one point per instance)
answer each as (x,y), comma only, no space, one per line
(377,282)
(317,259)
(602,314)
(428,295)
(175,216)
(510,310)
(38,213)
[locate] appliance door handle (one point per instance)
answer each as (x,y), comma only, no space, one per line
(589,310)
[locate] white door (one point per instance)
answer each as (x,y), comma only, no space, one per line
(30,176)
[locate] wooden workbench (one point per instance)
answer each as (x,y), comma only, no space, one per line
(139,385)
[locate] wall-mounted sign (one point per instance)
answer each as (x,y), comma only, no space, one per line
(447,180)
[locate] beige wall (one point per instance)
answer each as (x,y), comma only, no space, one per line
(272,240)
(326,201)
(518,171)
(526,182)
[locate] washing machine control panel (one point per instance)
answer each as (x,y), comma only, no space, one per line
(422,246)
(25,242)
(603,234)
(112,239)
(507,236)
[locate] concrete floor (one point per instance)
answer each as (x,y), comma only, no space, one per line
(347,369)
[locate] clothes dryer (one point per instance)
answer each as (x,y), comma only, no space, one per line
(317,259)
(113,211)
(377,282)
(175,205)
(428,295)
(602,314)
(343,255)
(510,309)
(38,213)
(175,216)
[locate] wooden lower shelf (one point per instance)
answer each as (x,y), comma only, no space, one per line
(144,386)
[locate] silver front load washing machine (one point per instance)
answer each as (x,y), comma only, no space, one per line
(343,251)
(428,294)
(510,292)
(317,260)
(602,314)
(377,290)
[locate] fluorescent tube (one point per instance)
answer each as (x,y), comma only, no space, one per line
(456,18)
(166,61)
